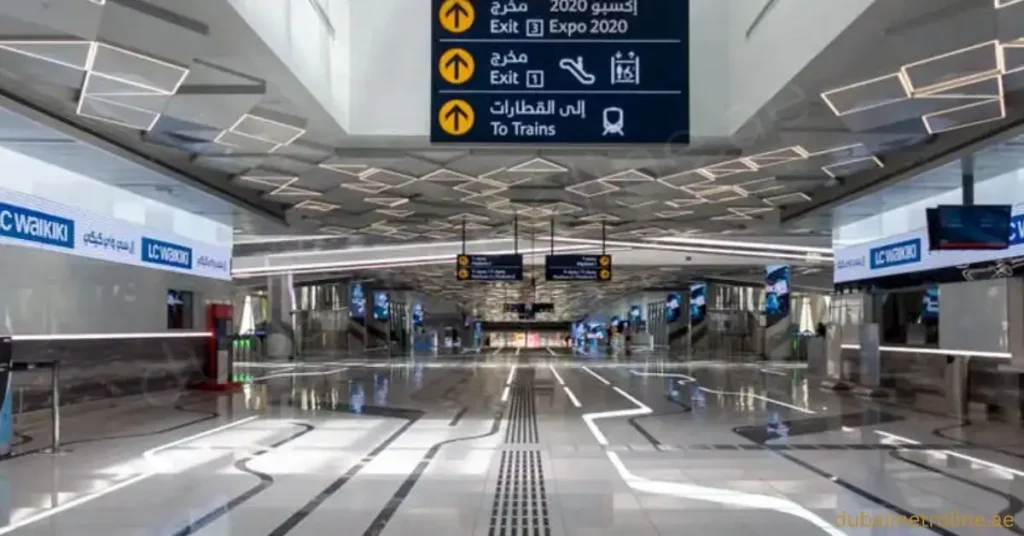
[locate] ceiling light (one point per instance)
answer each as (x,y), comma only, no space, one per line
(692,249)
(752,245)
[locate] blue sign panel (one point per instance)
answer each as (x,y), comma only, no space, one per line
(1017,230)
(166,254)
(560,71)
(578,268)
(898,254)
(33,226)
(489,268)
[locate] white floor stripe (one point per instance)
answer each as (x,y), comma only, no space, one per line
(693,491)
(148,455)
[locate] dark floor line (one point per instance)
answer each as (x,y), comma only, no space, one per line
(1013,503)
(865,494)
(940,432)
(384,517)
(243,465)
(411,416)
(458,416)
(210,415)
(644,432)
(21,439)
(849,486)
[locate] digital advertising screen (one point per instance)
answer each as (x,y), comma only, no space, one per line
(698,302)
(958,227)
(417,314)
(930,304)
(673,304)
(356,301)
(381,306)
(776,284)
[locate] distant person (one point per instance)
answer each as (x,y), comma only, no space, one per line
(821,330)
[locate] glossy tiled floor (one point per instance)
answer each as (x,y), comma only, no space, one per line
(502,444)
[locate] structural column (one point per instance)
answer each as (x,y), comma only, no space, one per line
(280,325)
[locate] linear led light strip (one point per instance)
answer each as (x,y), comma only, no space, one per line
(752,245)
(693,249)
(111,336)
(386,266)
(281,239)
(978,461)
(290,374)
(149,456)
(934,351)
(693,491)
(568,392)
(389,248)
(372,262)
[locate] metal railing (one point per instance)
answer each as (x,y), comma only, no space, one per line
(54,368)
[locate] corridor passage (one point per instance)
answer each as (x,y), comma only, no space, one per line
(534,444)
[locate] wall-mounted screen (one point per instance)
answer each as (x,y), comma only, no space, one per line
(381,306)
(673,304)
(179,309)
(356,301)
(958,227)
(776,301)
(417,314)
(698,302)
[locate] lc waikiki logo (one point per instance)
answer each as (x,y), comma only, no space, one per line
(33,226)
(898,254)
(166,254)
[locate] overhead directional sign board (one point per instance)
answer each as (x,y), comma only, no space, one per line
(560,71)
(578,268)
(489,267)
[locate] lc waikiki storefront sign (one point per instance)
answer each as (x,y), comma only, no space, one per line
(908,253)
(32,222)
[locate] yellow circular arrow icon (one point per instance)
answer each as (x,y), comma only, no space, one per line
(605,260)
(456,66)
(463,274)
(463,260)
(456,16)
(605,275)
(456,117)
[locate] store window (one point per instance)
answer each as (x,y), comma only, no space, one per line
(180,309)
(906,319)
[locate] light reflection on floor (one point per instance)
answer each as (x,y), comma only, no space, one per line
(542,444)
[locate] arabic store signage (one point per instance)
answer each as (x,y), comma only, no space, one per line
(908,253)
(560,71)
(37,223)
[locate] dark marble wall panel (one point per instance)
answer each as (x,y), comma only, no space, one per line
(97,369)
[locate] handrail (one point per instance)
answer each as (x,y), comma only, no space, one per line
(935,351)
(54,367)
(110,336)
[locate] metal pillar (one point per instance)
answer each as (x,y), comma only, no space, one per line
(281,336)
(967,179)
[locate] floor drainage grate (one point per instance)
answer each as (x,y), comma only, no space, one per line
(520,500)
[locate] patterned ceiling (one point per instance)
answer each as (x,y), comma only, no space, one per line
(156,77)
